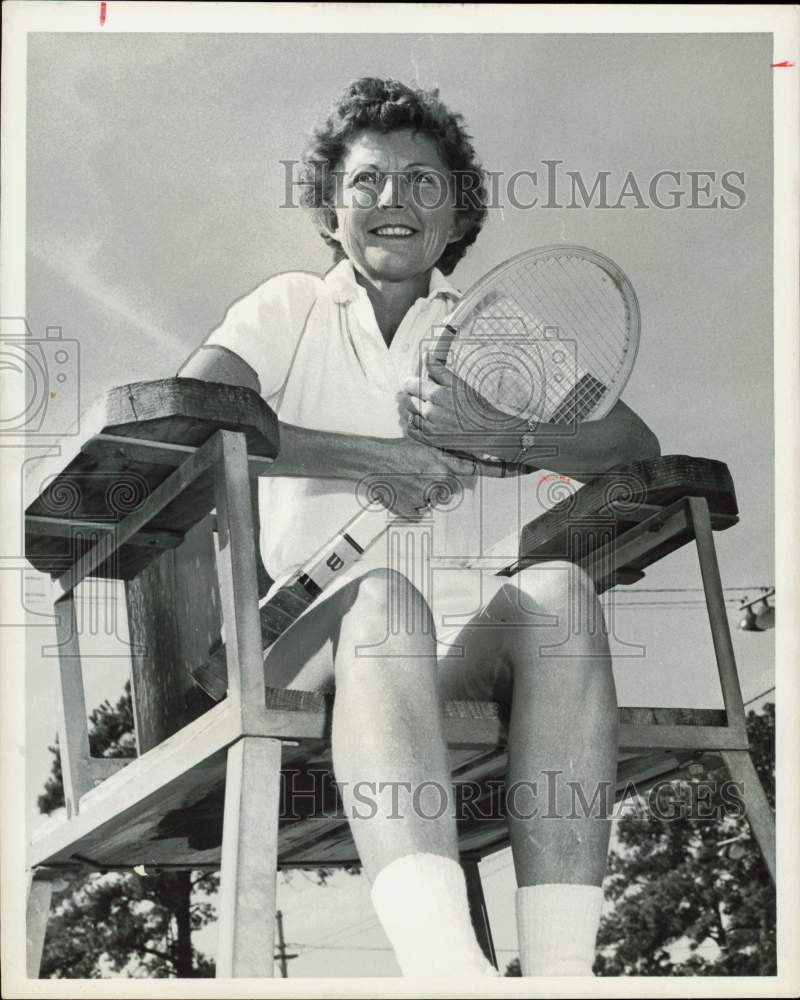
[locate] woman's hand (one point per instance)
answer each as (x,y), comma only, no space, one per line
(417,478)
(438,409)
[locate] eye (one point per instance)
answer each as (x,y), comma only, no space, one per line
(426,178)
(366,178)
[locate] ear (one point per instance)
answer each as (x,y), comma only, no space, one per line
(328,223)
(459,227)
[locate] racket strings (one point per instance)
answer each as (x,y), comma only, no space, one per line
(574,298)
(576,321)
(566,313)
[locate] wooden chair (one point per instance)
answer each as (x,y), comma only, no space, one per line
(130,498)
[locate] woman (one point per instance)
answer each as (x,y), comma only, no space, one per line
(395,189)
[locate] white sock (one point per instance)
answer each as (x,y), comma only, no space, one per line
(557,928)
(421,901)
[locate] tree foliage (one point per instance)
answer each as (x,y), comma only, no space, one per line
(689,894)
(140,925)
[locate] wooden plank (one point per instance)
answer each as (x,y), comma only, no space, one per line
(174,486)
(680,737)
(40,891)
(56,528)
(760,815)
(106,446)
(236,572)
(121,799)
(73,484)
(173,617)
(101,768)
(179,825)
(657,481)
(73,731)
(249,860)
(603,564)
(717,613)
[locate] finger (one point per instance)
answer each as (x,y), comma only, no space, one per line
(440,350)
(412,406)
(440,374)
(421,388)
(415,425)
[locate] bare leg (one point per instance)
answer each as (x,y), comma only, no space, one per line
(387,734)
(543,634)
(391,764)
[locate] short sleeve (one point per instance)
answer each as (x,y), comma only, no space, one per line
(264,327)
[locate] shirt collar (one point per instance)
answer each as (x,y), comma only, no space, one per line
(341,280)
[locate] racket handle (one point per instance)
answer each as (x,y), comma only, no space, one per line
(289,602)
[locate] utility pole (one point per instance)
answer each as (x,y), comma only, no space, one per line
(282,956)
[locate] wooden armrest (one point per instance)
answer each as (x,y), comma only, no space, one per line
(617,501)
(127,443)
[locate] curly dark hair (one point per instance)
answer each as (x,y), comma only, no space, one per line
(385,106)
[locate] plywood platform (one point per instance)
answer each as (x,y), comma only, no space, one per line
(165,809)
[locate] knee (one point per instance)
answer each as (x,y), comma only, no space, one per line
(555,586)
(384,603)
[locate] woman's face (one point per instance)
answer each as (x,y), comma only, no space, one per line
(394,210)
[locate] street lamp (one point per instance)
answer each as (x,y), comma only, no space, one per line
(759,614)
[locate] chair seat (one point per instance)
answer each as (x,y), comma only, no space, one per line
(164,809)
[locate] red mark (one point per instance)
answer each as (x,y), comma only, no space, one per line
(102,13)
(782,65)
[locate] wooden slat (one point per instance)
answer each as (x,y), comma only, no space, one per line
(658,481)
(174,490)
(236,572)
(180,823)
(73,485)
(173,616)
(73,732)
(101,768)
(54,527)
(106,447)
(249,858)
(717,613)
(758,810)
(174,768)
(40,891)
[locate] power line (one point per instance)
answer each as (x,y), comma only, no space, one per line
(363,947)
(756,697)
(683,590)
(360,926)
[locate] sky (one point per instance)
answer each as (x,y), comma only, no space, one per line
(155,193)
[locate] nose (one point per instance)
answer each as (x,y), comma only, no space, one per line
(393,190)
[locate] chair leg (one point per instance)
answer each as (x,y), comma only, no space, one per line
(759,812)
(477,909)
(249,859)
(40,891)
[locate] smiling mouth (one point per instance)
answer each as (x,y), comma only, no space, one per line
(394,232)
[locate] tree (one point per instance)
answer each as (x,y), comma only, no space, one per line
(691,896)
(120,922)
(139,925)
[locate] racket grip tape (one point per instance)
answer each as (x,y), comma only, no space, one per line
(276,616)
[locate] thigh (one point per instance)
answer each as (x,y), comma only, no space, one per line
(476,662)
(302,658)
(473,664)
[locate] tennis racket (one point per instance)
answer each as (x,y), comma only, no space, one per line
(550,336)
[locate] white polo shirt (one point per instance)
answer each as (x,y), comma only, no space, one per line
(322,363)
